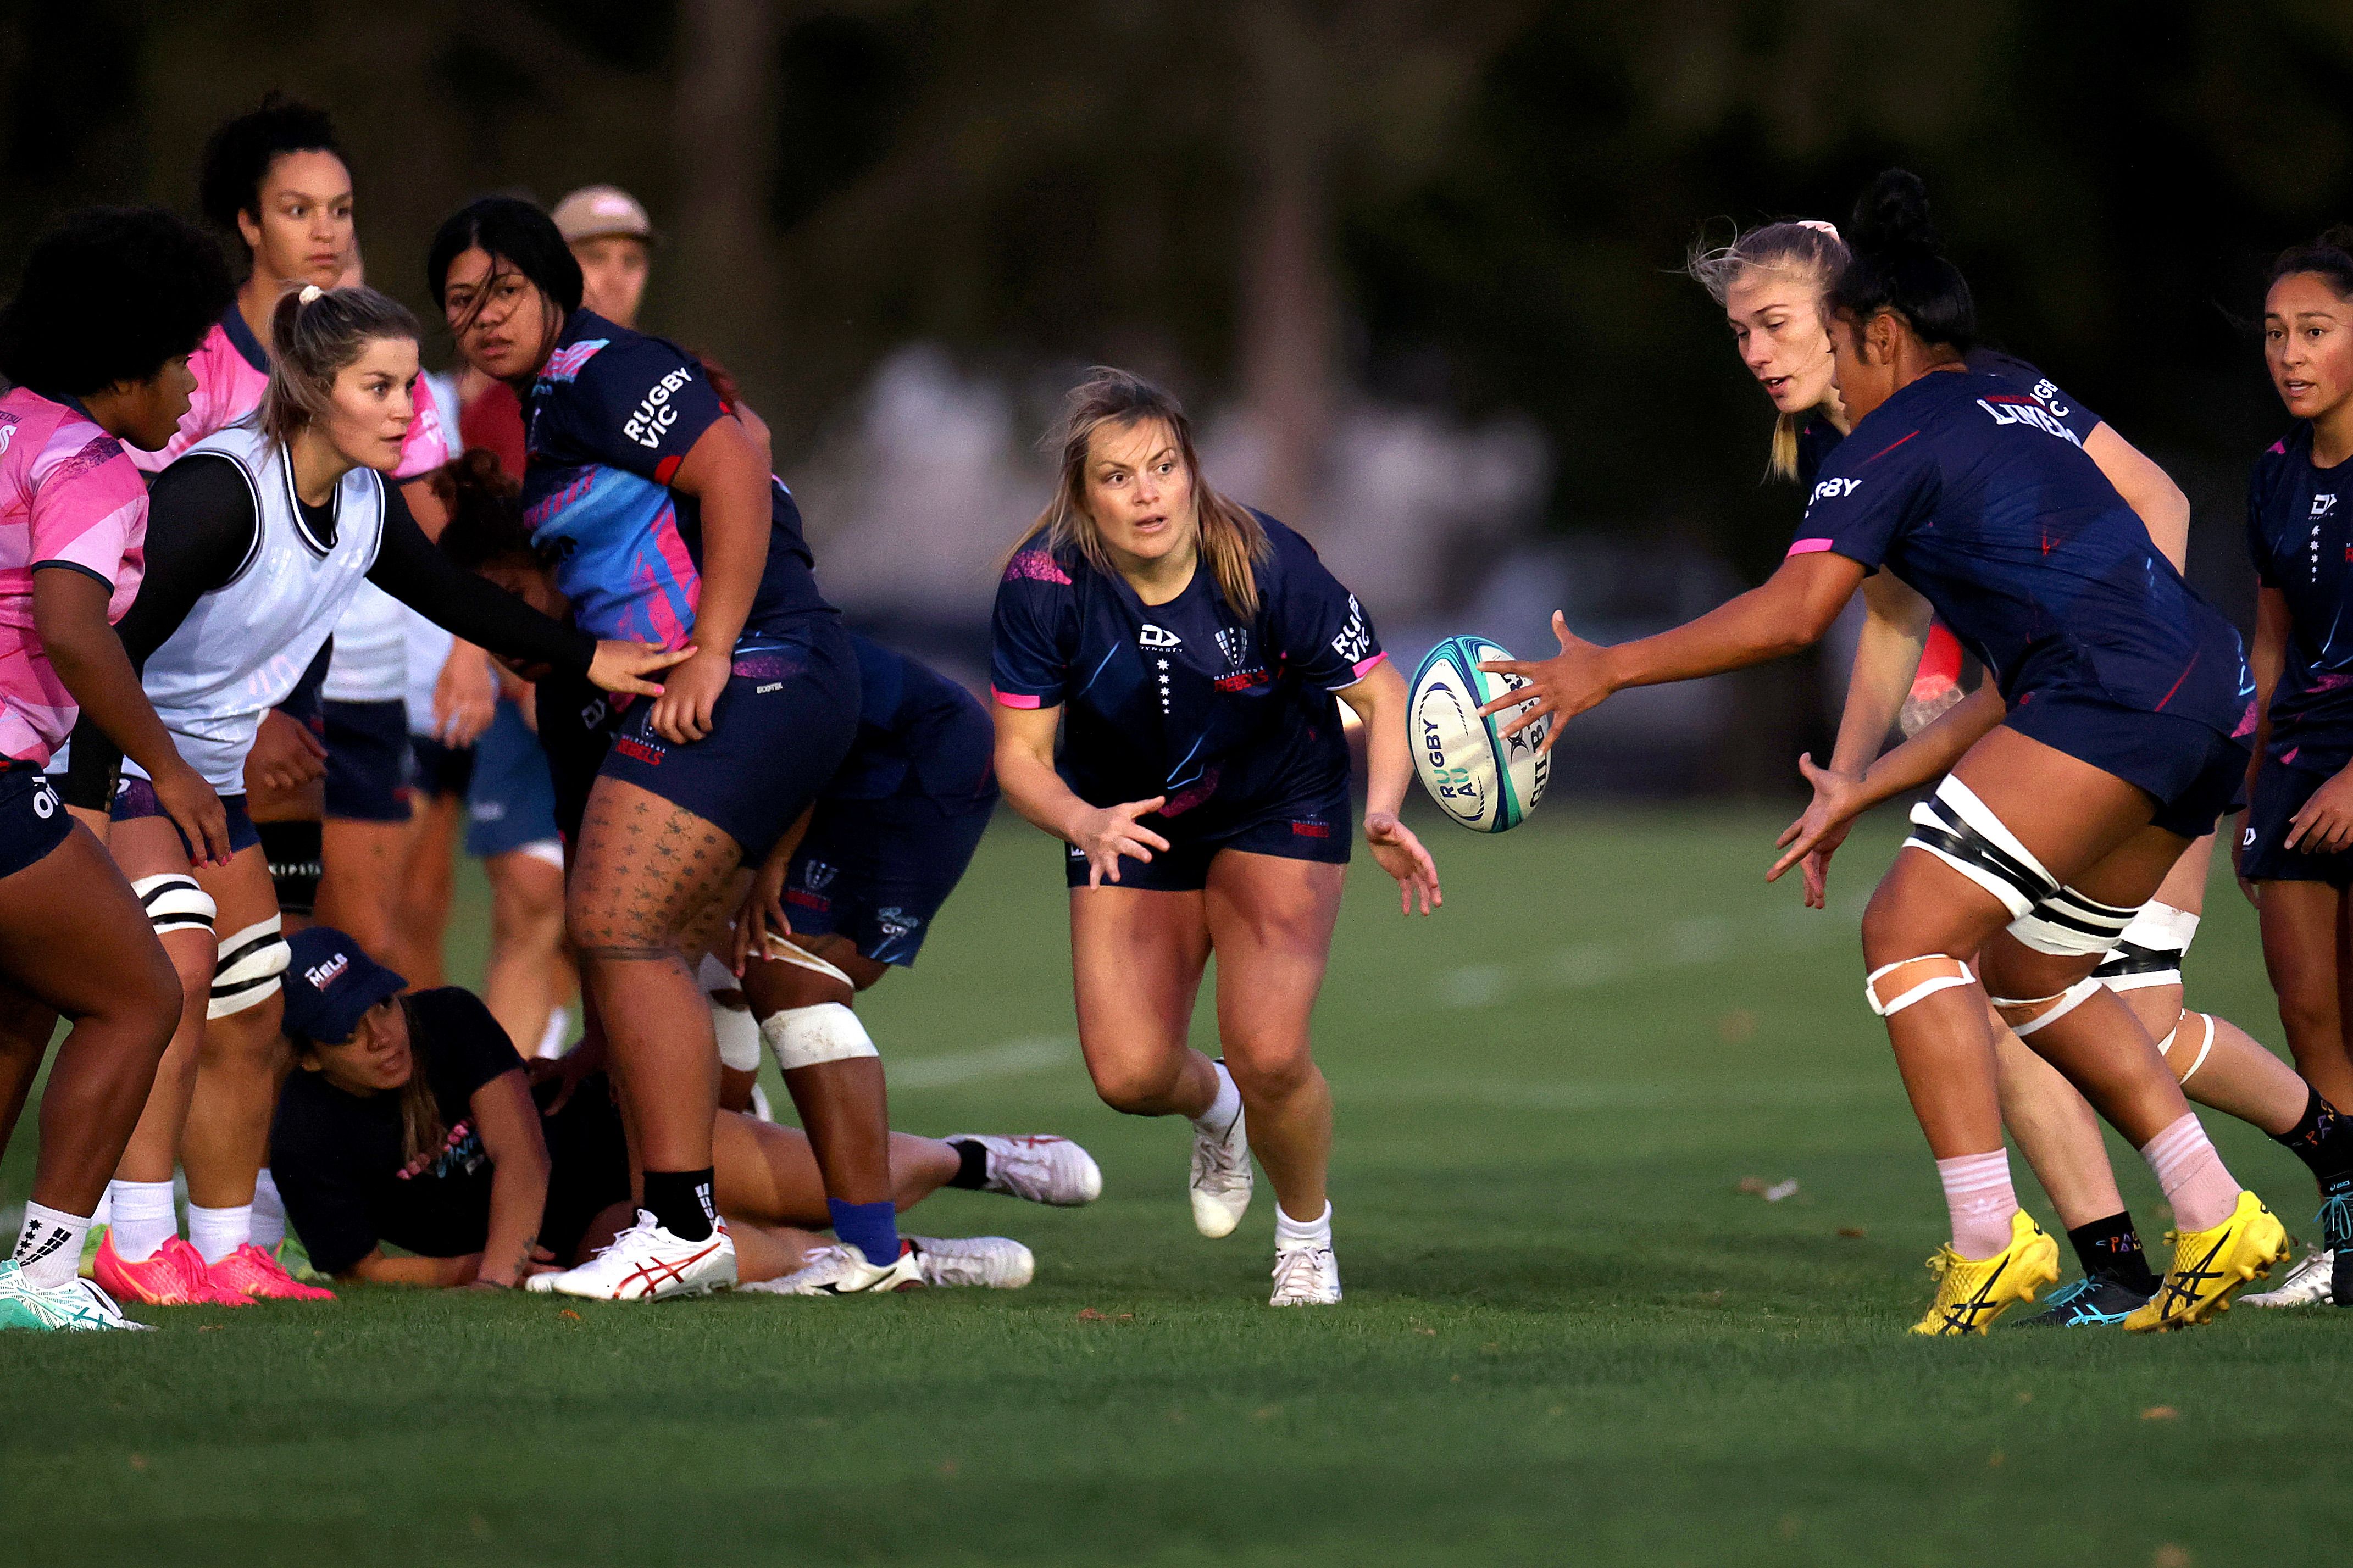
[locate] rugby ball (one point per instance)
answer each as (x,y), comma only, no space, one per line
(1481,779)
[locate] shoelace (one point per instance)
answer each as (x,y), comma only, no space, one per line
(620,1242)
(2067,1295)
(1289,1266)
(2336,1216)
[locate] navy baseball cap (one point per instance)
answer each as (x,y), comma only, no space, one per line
(329,985)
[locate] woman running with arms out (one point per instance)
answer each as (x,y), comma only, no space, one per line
(96,341)
(1771,282)
(663,523)
(2124,692)
(1190,650)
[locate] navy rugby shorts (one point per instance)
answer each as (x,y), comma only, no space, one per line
(778,734)
(510,800)
(876,871)
(2192,772)
(135,798)
(1315,828)
(2280,792)
(32,820)
(438,767)
(368,760)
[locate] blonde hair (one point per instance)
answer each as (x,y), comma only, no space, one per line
(314,334)
(1229,536)
(1806,247)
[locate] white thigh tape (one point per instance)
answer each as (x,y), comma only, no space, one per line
(175,902)
(739,1037)
(247,970)
(1926,989)
(1962,831)
(808,1036)
(2151,949)
(780,951)
(2069,924)
(2074,996)
(2162,927)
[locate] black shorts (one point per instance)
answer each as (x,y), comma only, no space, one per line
(778,734)
(1318,827)
(32,820)
(368,760)
(135,798)
(2280,792)
(588,1162)
(876,871)
(438,769)
(2192,772)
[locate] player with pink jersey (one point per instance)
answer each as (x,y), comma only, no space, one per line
(97,340)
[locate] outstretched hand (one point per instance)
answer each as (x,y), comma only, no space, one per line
(623,666)
(1563,686)
(1815,837)
(1400,854)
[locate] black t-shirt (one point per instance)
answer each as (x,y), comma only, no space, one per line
(337,1157)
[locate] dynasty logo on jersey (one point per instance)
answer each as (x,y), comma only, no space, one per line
(1157,636)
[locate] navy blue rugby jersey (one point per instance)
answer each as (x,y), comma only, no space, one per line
(1979,497)
(1187,700)
(2300,531)
(911,718)
(1817,438)
(611,417)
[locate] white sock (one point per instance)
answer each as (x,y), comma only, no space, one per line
(104,1212)
(143,1218)
(1301,1235)
(1978,1195)
(552,1039)
(2203,1192)
(269,1212)
(49,1249)
(1220,1117)
(217,1233)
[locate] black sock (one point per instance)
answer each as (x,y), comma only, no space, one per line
(2111,1247)
(2322,1140)
(681,1201)
(972,1170)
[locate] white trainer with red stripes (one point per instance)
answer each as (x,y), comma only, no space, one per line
(1038,1166)
(647,1263)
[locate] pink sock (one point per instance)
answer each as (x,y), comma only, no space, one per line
(1978,1193)
(2203,1194)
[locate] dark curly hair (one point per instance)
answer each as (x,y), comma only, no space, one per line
(1895,261)
(486,524)
(108,295)
(238,156)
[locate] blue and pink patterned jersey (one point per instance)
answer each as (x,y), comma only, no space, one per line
(2300,533)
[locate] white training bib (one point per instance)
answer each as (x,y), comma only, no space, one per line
(245,645)
(370,663)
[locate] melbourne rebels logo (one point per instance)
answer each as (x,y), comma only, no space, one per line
(817,876)
(1157,636)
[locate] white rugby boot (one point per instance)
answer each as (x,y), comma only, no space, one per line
(78,1306)
(1308,1277)
(842,1270)
(1038,1166)
(997,1262)
(2308,1284)
(1221,1178)
(647,1263)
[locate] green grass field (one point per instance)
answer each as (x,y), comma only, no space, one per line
(1569,1336)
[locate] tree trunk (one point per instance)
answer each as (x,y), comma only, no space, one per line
(723,130)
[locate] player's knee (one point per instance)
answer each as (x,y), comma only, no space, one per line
(1138,1089)
(1893,932)
(2308,1011)
(146,990)
(1269,1071)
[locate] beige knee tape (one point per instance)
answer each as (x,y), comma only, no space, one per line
(808,1036)
(780,951)
(247,970)
(1926,985)
(2074,996)
(2199,1060)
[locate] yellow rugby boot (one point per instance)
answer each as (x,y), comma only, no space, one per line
(2211,1265)
(1972,1292)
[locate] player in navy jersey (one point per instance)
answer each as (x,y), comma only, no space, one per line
(1190,651)
(1771,282)
(657,511)
(2297,847)
(2107,740)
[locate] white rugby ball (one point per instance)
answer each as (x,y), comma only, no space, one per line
(1479,777)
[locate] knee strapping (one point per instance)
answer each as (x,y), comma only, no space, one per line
(247,970)
(1962,831)
(175,902)
(732,1025)
(1922,988)
(2166,1049)
(781,951)
(2151,949)
(808,1036)
(2067,924)
(2074,996)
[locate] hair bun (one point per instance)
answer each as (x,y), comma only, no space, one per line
(1892,215)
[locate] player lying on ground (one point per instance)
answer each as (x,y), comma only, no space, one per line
(97,342)
(264,531)
(2124,692)
(412,1121)
(1772,282)
(1188,652)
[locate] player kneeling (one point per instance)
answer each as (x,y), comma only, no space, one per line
(411,1121)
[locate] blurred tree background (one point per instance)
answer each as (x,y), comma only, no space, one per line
(1296,209)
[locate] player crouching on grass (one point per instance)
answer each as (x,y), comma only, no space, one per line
(1192,656)
(2119,696)
(412,1121)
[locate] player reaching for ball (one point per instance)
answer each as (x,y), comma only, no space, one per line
(2125,693)
(1771,283)
(1190,651)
